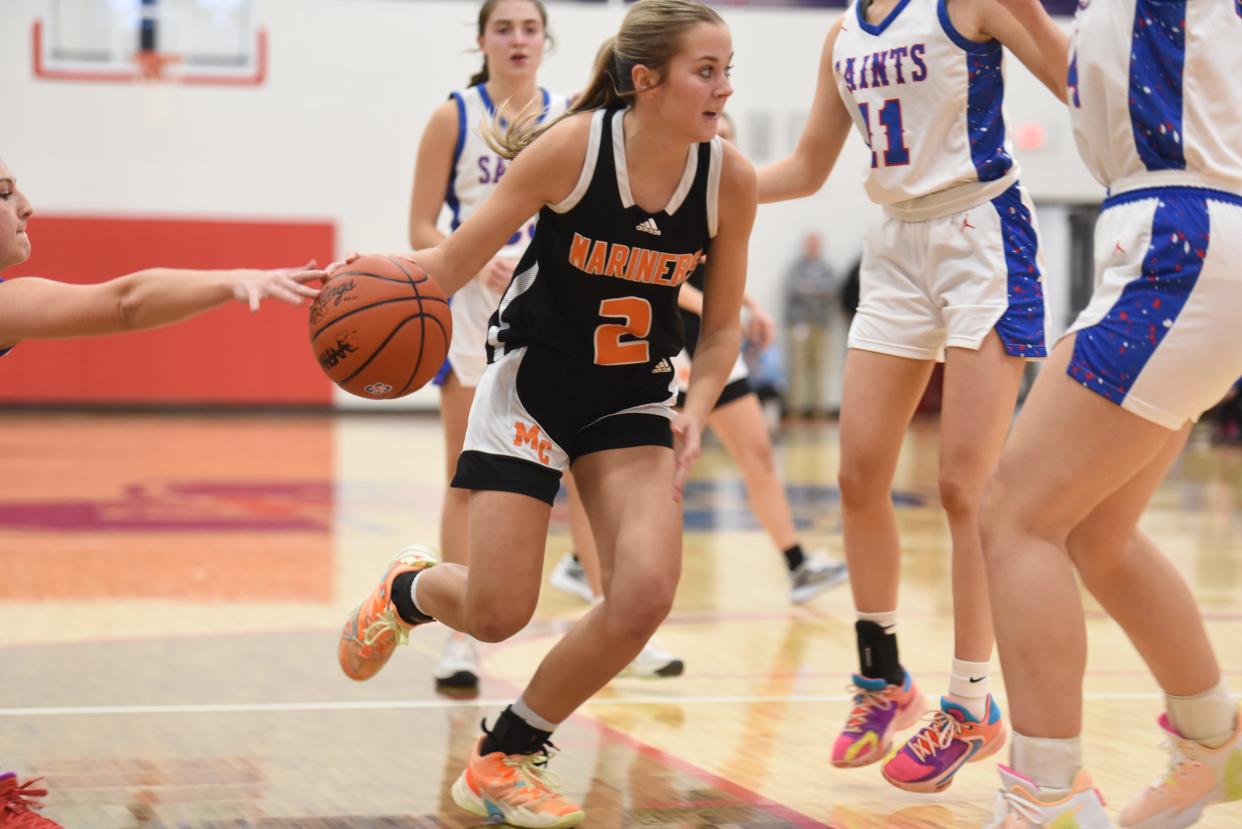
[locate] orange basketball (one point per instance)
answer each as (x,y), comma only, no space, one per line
(380,327)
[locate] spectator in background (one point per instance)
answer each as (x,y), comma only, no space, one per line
(810,291)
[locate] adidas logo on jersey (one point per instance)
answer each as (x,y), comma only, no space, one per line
(649,226)
(663,367)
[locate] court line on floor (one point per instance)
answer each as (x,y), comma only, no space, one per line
(436,704)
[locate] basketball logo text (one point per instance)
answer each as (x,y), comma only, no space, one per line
(331,296)
(331,356)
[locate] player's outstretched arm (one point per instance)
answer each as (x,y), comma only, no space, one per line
(33,308)
(1026,29)
(543,173)
(804,172)
(720,337)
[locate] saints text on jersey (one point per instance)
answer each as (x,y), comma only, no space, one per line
(873,71)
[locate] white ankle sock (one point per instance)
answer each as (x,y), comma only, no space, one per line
(1051,763)
(1209,718)
(532,719)
(886,620)
(968,687)
(414,591)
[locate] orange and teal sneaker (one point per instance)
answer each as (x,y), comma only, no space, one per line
(880,711)
(1021,804)
(516,789)
(1198,776)
(19,804)
(373,631)
(951,739)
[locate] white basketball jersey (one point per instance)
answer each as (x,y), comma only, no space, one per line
(928,102)
(476,171)
(1155,92)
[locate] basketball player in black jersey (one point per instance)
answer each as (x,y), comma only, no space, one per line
(632,190)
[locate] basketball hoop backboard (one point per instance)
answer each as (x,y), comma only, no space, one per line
(181,41)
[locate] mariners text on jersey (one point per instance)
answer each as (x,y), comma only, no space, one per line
(651,267)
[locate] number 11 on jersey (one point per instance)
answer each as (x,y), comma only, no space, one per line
(896,154)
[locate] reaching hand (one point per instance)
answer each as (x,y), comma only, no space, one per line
(498,273)
(340,263)
(286,284)
(687,443)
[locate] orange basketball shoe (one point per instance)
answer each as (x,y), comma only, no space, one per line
(373,631)
(516,789)
(1198,776)
(19,804)
(880,711)
(951,739)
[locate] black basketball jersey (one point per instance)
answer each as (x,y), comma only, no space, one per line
(691,322)
(599,281)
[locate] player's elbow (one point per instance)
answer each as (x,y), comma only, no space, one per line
(815,171)
(125,296)
(808,173)
(423,234)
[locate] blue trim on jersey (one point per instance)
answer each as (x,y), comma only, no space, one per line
(1071,81)
(450,196)
(1110,355)
(1157,59)
(442,373)
(985,116)
(487,99)
(878,29)
(1181,191)
(985,94)
(1021,327)
(964,43)
(547,101)
(491,108)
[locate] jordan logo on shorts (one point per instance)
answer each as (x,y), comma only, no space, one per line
(648,226)
(662,367)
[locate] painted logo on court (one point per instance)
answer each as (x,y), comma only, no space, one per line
(186,506)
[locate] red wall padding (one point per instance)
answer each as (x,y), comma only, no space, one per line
(226,356)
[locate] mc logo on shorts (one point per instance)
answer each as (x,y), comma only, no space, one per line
(532,437)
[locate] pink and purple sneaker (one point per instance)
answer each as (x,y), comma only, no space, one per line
(880,711)
(951,738)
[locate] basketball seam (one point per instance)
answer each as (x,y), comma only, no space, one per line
(388,339)
(422,334)
(353,311)
(373,276)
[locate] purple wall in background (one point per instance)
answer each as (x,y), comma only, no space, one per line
(1061,7)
